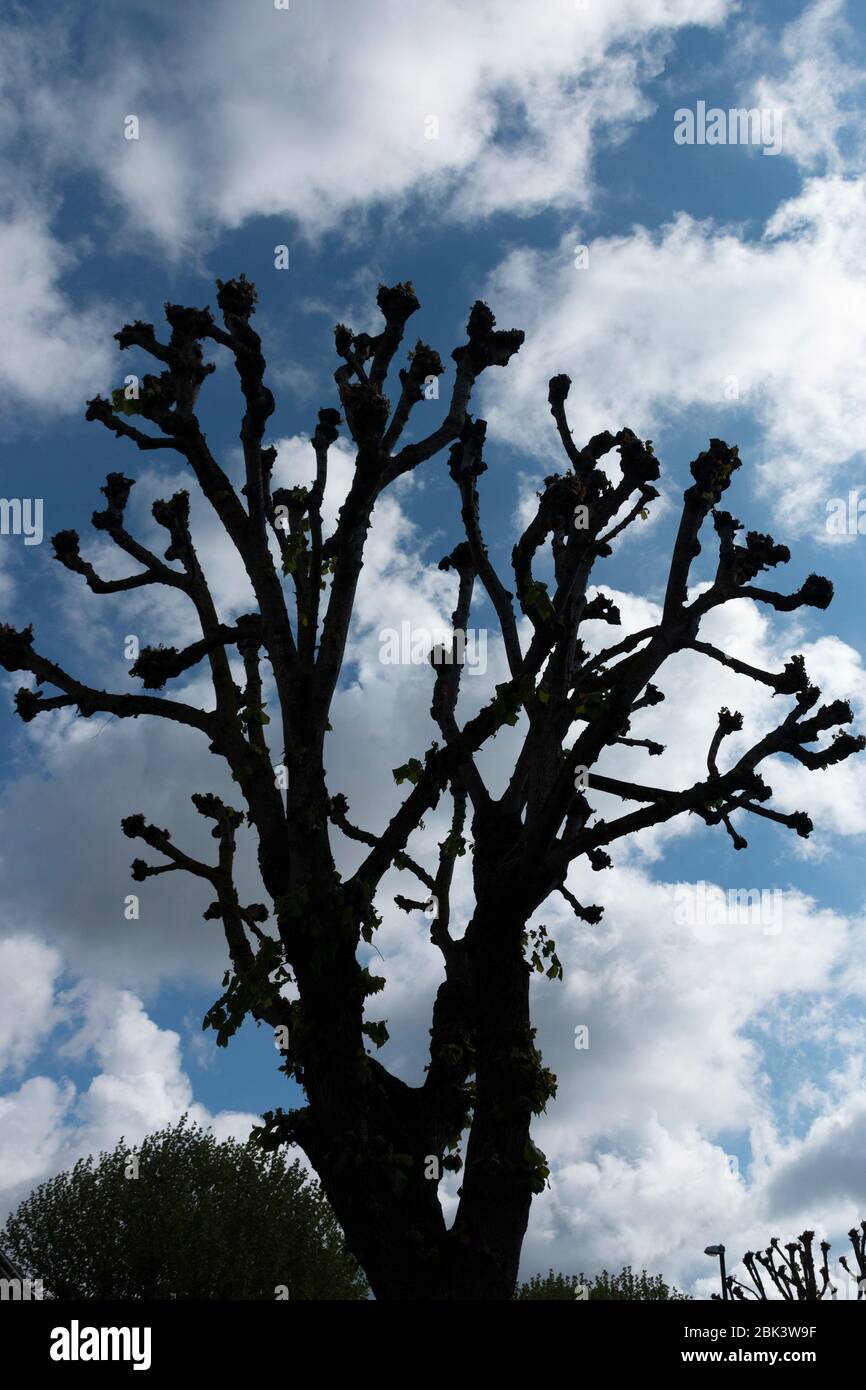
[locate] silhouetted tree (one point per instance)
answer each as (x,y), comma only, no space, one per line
(378,1144)
(791,1270)
(183,1216)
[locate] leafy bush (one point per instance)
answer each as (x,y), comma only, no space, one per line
(626,1286)
(201,1220)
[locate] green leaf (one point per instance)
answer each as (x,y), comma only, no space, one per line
(409,772)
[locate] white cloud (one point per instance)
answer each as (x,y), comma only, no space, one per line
(53,353)
(673,1084)
(28,975)
(813,82)
(662,322)
(273,112)
(138,1083)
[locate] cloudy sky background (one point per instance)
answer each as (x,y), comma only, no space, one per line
(722,1096)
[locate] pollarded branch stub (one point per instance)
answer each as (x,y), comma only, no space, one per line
(424,361)
(328,427)
(727,527)
(343,338)
(858,1243)
(366,411)
(487,345)
(816,592)
(397,302)
(339,806)
(599,859)
(836,712)
(794,678)
(237,299)
(460,559)
(806,699)
(752,782)
(134,824)
(99,409)
(116,492)
(730,721)
(591,914)
(842,746)
(802,823)
(651,696)
(186,355)
(66,551)
(562,493)
(364,345)
(156,665)
(142,335)
(189,323)
(603,609)
(212,808)
(136,827)
(465,457)
(638,462)
(410,904)
(602,443)
(66,547)
(759,553)
(173,515)
(29,703)
(713,468)
(16,647)
(558,389)
(289,505)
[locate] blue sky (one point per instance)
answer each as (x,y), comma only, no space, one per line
(706,264)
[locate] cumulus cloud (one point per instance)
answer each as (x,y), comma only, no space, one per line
(28,975)
(811,79)
(655,1156)
(697,315)
(483,108)
(137,1085)
(53,352)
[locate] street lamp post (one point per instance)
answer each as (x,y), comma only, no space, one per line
(720,1251)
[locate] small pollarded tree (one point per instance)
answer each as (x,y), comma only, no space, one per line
(378,1144)
(789,1272)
